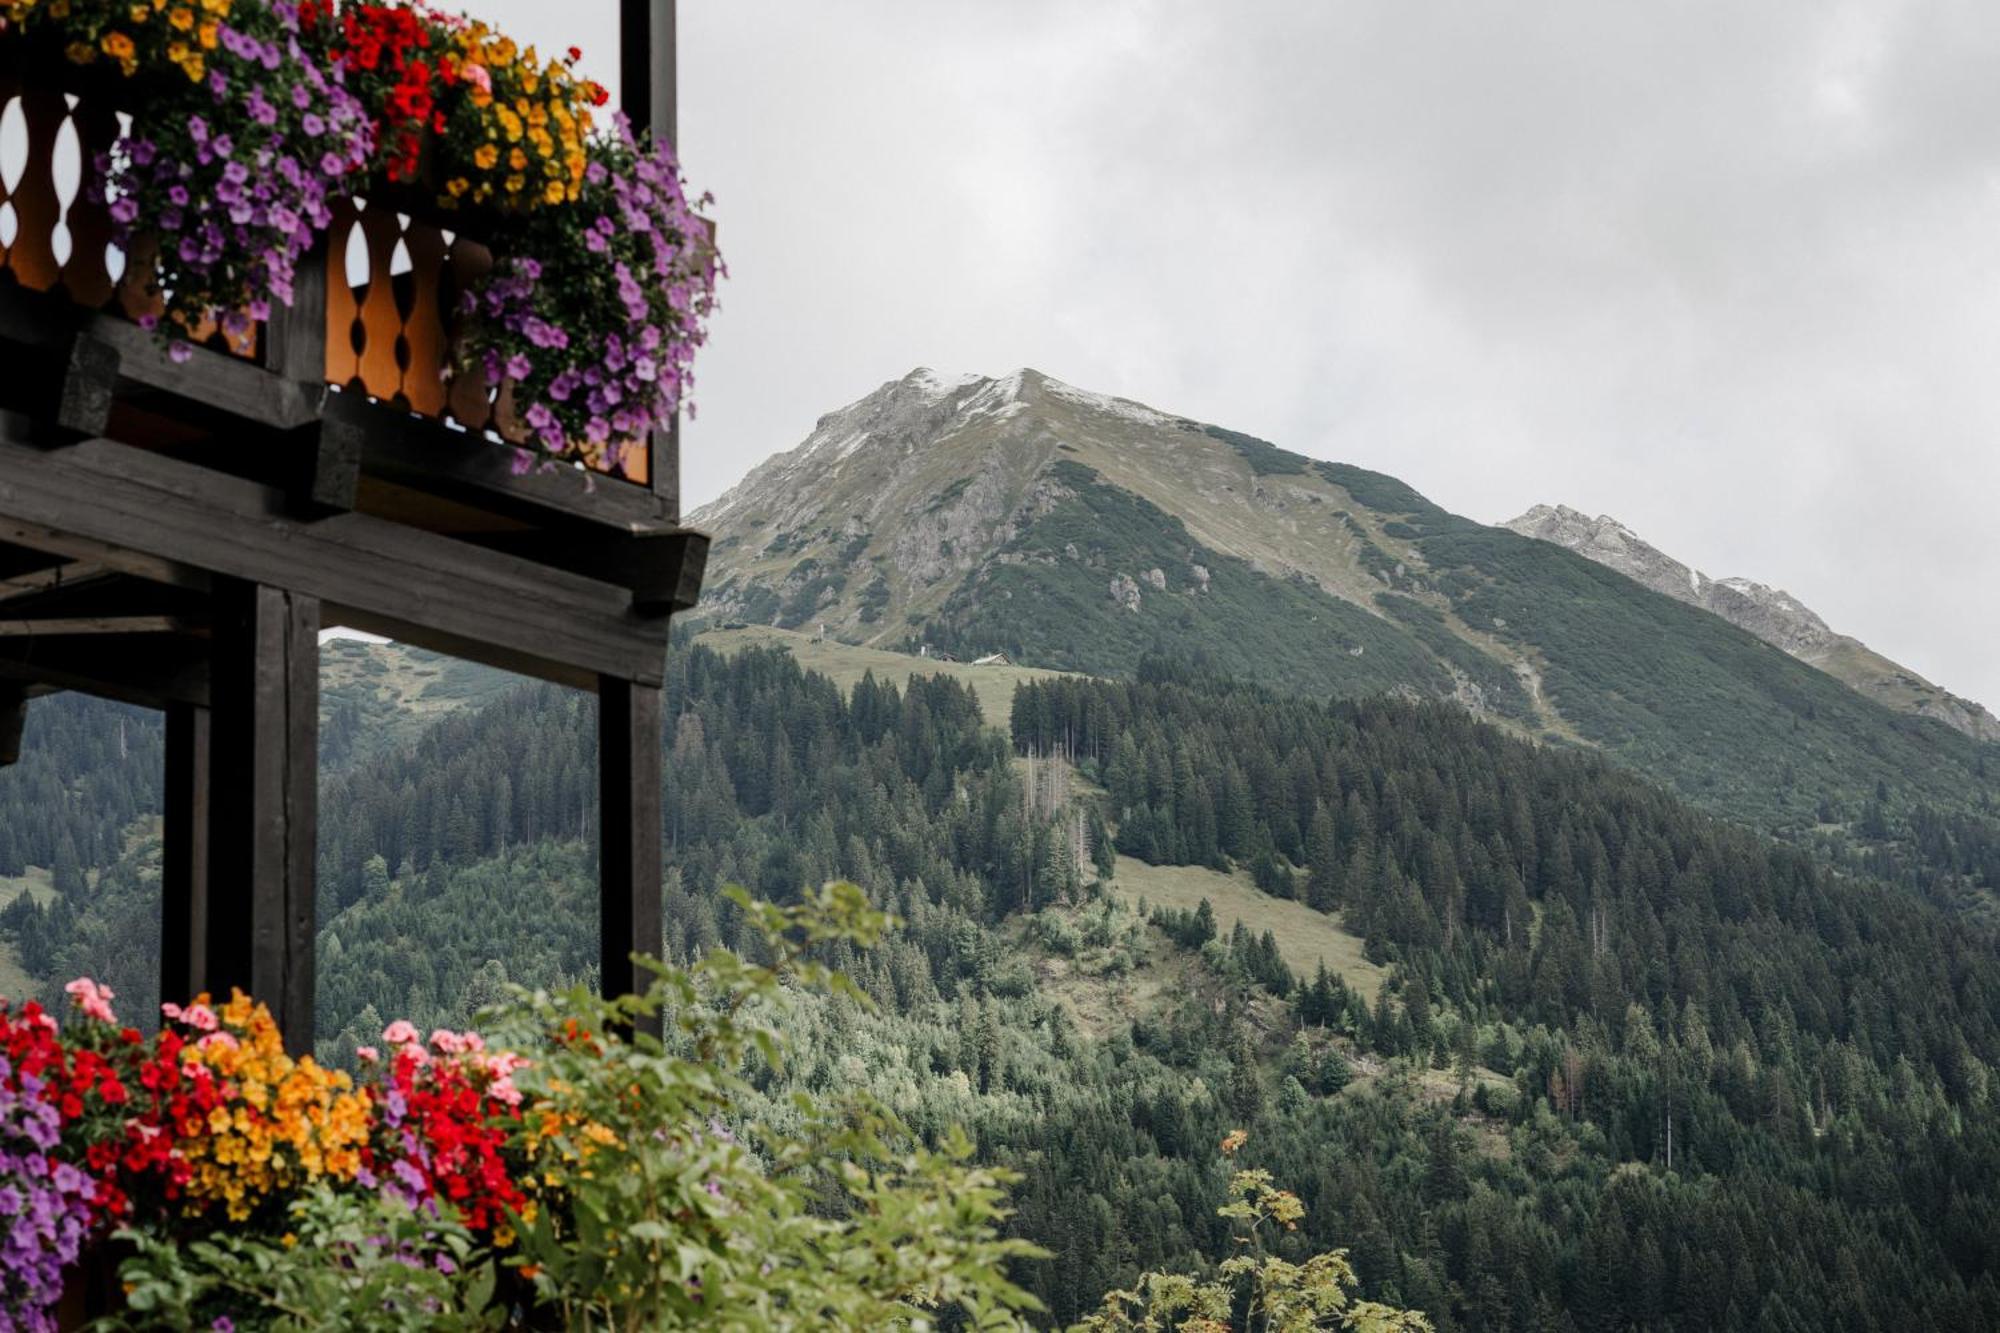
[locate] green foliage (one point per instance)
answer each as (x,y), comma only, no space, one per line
(1265,459)
(1499,688)
(1274,1294)
(350,1261)
(669,1221)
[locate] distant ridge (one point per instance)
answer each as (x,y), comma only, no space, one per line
(1772,614)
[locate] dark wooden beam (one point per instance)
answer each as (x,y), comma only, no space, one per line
(96,592)
(664,569)
(629,721)
(218,385)
(66,574)
(149,670)
(13,719)
(428,456)
(184,922)
(131,509)
(263,811)
(22,562)
(12,628)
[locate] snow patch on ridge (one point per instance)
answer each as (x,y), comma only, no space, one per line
(1123,408)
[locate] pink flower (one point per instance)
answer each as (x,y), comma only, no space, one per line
(415,1053)
(218,1040)
(367,1054)
(503,1089)
(446,1042)
(200,1016)
(93,999)
(171,1012)
(479,78)
(400,1033)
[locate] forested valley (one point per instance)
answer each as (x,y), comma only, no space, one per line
(1629,1066)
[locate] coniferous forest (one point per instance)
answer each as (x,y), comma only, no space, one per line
(1620,1064)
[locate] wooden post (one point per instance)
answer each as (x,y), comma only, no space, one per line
(13,720)
(649,78)
(184,859)
(648,66)
(263,812)
(629,720)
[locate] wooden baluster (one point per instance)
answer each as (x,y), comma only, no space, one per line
(343,308)
(137,296)
(9,86)
(37,206)
(380,321)
(87,276)
(424,346)
(470,261)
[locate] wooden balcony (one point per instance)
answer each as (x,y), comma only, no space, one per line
(176,533)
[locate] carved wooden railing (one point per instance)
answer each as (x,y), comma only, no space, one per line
(393,286)
(392,279)
(52,237)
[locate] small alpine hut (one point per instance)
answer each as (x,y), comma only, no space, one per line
(176,530)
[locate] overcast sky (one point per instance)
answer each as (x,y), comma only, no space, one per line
(1728,272)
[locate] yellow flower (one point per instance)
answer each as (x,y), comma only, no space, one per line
(553,193)
(80,53)
(486,157)
(140,13)
(181,17)
(457,186)
(517,160)
(209,36)
(516,183)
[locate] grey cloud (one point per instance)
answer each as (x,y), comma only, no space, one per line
(1729,272)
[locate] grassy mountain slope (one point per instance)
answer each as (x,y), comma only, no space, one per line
(1082,532)
(845,664)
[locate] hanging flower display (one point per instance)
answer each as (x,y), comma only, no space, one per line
(227,180)
(253,118)
(592,327)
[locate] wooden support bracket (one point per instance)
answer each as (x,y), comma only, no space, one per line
(89,383)
(326,477)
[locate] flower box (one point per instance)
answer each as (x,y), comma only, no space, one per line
(375,338)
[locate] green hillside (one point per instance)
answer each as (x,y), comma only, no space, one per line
(1573,961)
